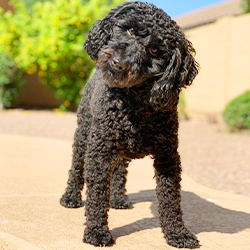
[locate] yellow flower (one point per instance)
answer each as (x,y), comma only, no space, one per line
(41,73)
(88,19)
(31,71)
(82,74)
(59,112)
(66,103)
(78,22)
(4,40)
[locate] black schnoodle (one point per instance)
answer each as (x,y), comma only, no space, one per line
(129,110)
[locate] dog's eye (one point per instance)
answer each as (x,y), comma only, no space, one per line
(131,31)
(152,51)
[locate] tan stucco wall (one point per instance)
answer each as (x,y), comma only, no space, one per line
(223,52)
(5,5)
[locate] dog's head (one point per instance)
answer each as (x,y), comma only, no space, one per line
(138,43)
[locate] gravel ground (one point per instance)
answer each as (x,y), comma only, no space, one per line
(210,155)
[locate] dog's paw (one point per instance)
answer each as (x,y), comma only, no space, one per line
(121,203)
(183,240)
(97,237)
(71,201)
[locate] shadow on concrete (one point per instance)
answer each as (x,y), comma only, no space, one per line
(199,215)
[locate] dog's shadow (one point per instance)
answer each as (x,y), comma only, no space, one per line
(200,215)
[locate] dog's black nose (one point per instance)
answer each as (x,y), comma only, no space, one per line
(117,65)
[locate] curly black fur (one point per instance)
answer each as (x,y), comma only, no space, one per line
(129,110)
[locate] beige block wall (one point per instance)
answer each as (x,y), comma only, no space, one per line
(223,52)
(239,67)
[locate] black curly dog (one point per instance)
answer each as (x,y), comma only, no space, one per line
(129,110)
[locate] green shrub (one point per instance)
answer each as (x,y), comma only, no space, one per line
(237,113)
(245,6)
(48,39)
(182,106)
(30,3)
(10,81)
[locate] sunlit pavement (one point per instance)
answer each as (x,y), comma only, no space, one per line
(33,175)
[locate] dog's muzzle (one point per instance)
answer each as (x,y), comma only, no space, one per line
(117,65)
(118,70)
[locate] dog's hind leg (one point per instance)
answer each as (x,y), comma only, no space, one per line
(119,199)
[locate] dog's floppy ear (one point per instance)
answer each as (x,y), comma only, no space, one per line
(103,30)
(98,37)
(179,73)
(189,67)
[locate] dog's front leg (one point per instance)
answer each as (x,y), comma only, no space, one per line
(100,160)
(168,177)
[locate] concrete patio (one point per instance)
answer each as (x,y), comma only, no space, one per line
(33,175)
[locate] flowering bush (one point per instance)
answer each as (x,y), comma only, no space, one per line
(10,81)
(48,39)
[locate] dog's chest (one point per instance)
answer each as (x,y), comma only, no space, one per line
(132,123)
(132,130)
